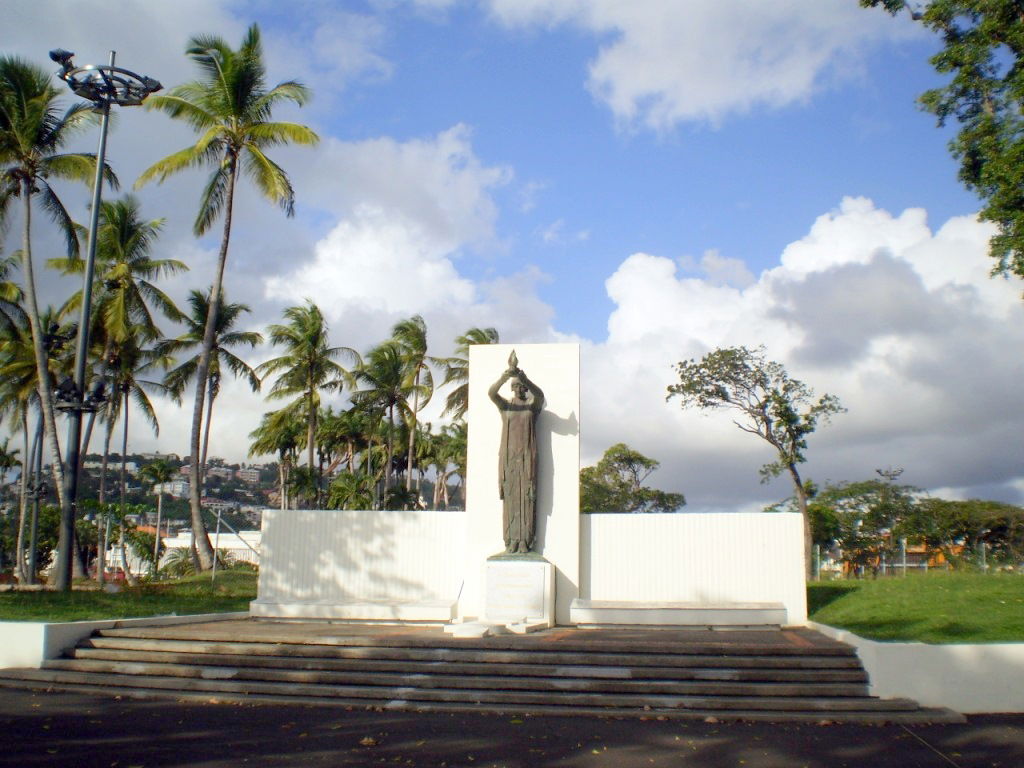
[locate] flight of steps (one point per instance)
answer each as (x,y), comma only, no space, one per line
(799,676)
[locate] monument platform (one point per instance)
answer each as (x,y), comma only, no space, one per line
(677,614)
(782,675)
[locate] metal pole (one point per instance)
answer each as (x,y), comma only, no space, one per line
(67,522)
(37,479)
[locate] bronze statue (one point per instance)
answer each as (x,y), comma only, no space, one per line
(517,459)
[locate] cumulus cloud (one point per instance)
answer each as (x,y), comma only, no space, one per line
(660,64)
(902,323)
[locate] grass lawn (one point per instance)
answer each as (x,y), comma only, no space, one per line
(936,607)
(232,591)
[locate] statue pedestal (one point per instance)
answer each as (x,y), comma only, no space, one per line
(520,589)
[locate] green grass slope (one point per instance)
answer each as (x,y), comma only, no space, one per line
(231,591)
(935,607)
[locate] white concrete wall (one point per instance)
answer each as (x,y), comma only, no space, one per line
(684,557)
(29,643)
(555,368)
(964,678)
(239,546)
(338,556)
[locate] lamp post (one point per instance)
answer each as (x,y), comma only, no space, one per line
(103,85)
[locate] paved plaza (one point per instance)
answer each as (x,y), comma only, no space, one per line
(82,731)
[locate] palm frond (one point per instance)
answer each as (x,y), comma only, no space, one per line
(269,178)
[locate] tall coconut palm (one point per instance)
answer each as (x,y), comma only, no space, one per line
(222,357)
(230,108)
(19,385)
(32,133)
(411,337)
(457,369)
(308,365)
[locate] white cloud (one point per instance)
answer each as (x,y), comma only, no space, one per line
(902,323)
(661,63)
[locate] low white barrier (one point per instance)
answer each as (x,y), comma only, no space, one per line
(342,563)
(29,643)
(965,678)
(695,558)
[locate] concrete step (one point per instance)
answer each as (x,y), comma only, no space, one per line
(462,654)
(741,674)
(504,698)
(560,685)
(34,680)
(727,644)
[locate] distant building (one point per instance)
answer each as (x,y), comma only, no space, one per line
(158,456)
(248,475)
(176,488)
(112,466)
(219,505)
(223,472)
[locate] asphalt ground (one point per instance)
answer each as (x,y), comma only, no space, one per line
(76,730)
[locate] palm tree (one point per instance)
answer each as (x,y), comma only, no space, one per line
(19,389)
(224,337)
(307,367)
(385,389)
(457,369)
(158,472)
(130,362)
(279,432)
(124,289)
(411,337)
(32,133)
(230,109)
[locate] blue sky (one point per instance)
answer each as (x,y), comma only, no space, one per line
(651,179)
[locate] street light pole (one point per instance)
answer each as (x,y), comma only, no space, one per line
(103,86)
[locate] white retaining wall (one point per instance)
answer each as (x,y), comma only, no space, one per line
(334,557)
(964,678)
(29,643)
(345,556)
(695,557)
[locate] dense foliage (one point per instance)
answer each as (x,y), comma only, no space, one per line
(982,48)
(615,484)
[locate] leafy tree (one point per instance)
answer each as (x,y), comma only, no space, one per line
(615,484)
(457,369)
(230,108)
(772,405)
(958,529)
(32,133)
(865,518)
(982,49)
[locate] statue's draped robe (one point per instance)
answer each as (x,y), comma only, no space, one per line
(517,471)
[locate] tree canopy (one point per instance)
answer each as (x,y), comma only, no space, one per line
(982,45)
(615,484)
(774,406)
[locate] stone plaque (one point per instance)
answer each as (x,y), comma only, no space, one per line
(520,590)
